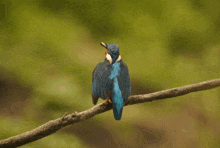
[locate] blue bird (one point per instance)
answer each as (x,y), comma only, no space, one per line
(111,80)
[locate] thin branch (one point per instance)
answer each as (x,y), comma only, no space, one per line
(54,125)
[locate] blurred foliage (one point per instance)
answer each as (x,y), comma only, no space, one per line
(48,50)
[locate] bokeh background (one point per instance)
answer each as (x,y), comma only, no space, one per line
(49,48)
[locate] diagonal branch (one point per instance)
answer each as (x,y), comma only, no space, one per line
(54,125)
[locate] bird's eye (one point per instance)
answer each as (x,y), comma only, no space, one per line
(106,52)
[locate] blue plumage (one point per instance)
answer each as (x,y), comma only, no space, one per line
(111,80)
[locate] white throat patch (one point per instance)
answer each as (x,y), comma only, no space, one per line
(109,58)
(118,59)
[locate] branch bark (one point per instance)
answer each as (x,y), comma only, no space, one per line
(54,125)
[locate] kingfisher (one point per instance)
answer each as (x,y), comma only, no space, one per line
(111,80)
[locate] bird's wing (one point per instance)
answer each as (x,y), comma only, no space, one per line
(101,84)
(124,80)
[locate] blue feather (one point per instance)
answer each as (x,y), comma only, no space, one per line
(117,100)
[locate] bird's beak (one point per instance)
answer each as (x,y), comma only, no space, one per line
(103,44)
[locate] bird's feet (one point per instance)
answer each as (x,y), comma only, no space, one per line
(108,100)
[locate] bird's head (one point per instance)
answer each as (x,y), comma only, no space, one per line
(112,52)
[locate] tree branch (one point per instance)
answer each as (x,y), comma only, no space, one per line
(54,125)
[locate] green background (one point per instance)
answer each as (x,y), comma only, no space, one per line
(49,48)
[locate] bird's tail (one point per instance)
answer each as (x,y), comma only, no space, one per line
(117,105)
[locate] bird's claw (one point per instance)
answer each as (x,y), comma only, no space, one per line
(108,101)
